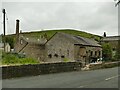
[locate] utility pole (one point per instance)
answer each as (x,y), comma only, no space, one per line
(118,46)
(4,27)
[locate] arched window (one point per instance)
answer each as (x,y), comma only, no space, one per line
(95,53)
(50,55)
(56,55)
(91,53)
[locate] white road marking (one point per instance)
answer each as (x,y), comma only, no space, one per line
(112,77)
(105,79)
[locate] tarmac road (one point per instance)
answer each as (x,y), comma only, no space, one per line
(102,78)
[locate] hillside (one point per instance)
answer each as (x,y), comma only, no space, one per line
(49,33)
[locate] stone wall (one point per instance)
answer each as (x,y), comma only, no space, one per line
(38,69)
(104,65)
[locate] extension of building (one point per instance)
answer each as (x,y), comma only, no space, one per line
(60,47)
(114,41)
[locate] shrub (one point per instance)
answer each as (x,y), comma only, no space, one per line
(107,51)
(9,58)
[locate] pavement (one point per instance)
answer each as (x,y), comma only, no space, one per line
(102,78)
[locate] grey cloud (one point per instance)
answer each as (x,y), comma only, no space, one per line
(93,17)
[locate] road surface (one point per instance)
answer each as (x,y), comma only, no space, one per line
(103,78)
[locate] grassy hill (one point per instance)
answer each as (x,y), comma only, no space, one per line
(13,59)
(49,33)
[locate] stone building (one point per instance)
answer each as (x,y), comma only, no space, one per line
(74,48)
(60,47)
(114,41)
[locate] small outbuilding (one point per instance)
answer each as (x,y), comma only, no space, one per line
(7,47)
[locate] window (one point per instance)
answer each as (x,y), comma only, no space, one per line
(50,56)
(62,56)
(95,53)
(113,49)
(56,55)
(91,53)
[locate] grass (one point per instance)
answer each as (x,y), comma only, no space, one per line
(8,59)
(66,60)
(50,33)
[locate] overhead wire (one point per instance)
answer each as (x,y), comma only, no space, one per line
(8,24)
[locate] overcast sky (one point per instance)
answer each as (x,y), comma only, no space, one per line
(93,17)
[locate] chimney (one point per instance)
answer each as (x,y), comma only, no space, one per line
(17,30)
(104,35)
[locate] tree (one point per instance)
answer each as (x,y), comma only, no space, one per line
(117,56)
(10,40)
(107,51)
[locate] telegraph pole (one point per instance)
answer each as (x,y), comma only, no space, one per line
(4,27)
(118,47)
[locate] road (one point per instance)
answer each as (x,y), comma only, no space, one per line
(103,78)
